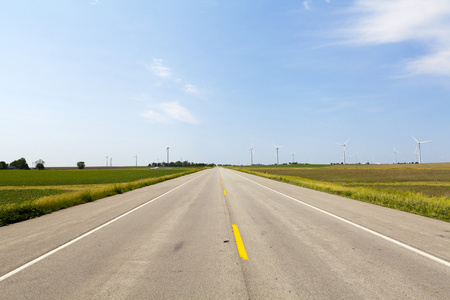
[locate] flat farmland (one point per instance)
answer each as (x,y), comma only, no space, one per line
(26,194)
(77,177)
(423,189)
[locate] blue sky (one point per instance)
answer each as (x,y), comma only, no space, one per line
(82,80)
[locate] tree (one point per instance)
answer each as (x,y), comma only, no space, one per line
(80,165)
(40,164)
(20,164)
(3,165)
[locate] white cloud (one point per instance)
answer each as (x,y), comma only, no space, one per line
(191,89)
(158,68)
(393,21)
(306,4)
(178,112)
(154,117)
(437,63)
(169,111)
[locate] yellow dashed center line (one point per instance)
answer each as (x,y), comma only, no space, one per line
(239,243)
(237,235)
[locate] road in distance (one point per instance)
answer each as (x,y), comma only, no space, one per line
(178,242)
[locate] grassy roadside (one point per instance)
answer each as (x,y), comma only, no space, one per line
(417,203)
(24,210)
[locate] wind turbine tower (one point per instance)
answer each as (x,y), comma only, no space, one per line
(343,147)
(251,156)
(276,150)
(167,149)
(418,148)
(395,155)
(293,157)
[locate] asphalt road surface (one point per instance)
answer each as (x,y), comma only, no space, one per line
(179,240)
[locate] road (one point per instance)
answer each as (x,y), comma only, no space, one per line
(178,240)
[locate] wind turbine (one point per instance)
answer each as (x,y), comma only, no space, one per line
(293,157)
(395,155)
(343,147)
(418,148)
(136,159)
(251,155)
(276,150)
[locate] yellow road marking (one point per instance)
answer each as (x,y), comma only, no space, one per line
(239,243)
(225,193)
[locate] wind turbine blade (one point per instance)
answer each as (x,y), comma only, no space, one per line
(415,139)
(425,142)
(347,141)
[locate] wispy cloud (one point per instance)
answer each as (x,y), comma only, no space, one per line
(191,89)
(167,112)
(158,68)
(95,2)
(393,21)
(306,4)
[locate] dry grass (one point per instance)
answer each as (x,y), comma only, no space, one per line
(16,211)
(421,189)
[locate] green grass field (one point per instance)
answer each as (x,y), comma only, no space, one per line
(422,189)
(76,177)
(26,194)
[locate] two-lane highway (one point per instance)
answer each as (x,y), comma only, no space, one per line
(177,239)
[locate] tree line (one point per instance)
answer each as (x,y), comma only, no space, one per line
(21,164)
(179,164)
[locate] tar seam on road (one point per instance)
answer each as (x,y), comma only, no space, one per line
(17,270)
(398,243)
(239,243)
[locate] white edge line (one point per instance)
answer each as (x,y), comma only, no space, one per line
(398,243)
(19,269)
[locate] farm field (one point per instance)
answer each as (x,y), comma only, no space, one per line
(422,189)
(29,193)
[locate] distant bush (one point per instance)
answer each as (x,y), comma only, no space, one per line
(20,164)
(3,165)
(80,165)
